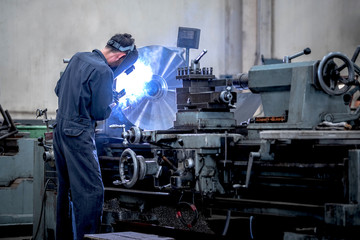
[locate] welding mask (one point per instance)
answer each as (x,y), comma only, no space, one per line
(127,65)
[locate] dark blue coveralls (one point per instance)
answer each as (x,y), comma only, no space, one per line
(84,94)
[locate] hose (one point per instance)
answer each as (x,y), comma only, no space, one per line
(251,230)
(42,207)
(180,216)
(227,222)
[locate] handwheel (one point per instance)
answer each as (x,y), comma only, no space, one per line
(129,168)
(329,74)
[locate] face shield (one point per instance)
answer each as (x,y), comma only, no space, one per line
(127,65)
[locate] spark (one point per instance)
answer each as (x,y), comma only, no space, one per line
(134,83)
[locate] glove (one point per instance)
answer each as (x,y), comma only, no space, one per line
(118,95)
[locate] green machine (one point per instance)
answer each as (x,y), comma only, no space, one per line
(298,160)
(304,94)
(18,154)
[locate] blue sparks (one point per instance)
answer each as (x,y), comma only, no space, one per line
(135,84)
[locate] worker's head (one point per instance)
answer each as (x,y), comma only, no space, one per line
(121,53)
(117,48)
(121,43)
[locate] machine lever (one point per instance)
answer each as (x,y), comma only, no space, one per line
(196,61)
(287,59)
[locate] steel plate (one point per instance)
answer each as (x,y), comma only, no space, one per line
(150,100)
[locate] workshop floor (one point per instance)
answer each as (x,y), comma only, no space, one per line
(16,232)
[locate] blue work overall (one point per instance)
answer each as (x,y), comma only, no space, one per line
(84,94)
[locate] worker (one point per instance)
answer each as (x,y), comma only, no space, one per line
(85,95)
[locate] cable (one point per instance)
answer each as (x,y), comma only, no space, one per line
(42,206)
(227,222)
(197,179)
(181,217)
(251,234)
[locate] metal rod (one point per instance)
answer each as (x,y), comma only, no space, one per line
(137,191)
(196,61)
(187,56)
(168,162)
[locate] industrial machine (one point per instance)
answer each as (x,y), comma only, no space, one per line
(187,152)
(292,172)
(18,154)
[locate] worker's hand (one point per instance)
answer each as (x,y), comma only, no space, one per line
(118,95)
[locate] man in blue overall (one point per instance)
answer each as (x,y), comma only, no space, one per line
(85,95)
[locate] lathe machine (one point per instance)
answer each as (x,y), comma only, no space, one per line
(290,171)
(293,170)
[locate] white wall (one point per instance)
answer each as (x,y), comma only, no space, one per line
(323,25)
(37,34)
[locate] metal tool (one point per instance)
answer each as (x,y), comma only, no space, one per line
(287,59)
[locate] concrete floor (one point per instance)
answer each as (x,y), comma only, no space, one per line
(16,232)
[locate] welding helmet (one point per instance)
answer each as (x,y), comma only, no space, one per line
(127,65)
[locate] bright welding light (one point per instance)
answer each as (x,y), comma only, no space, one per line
(134,83)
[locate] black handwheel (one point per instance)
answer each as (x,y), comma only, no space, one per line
(329,74)
(129,168)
